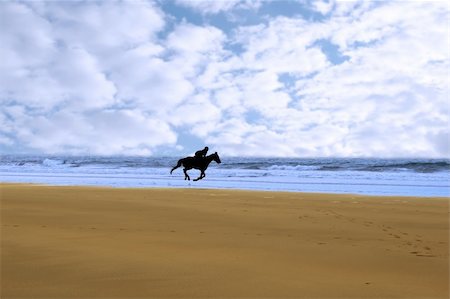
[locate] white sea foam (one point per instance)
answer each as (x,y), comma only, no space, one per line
(305,175)
(53,162)
(293,167)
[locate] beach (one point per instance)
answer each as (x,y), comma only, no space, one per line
(101,242)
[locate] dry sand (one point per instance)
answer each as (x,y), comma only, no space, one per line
(82,242)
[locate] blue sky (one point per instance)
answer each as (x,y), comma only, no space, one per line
(247,78)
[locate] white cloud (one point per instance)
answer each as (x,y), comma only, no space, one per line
(114,78)
(324,7)
(82,83)
(396,84)
(102,27)
(262,91)
(197,111)
(149,83)
(284,46)
(388,99)
(63,77)
(105,133)
(214,7)
(60,52)
(195,39)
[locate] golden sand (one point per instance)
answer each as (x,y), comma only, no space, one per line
(83,242)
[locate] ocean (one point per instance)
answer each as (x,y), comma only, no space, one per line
(404,177)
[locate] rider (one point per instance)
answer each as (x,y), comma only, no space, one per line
(201,153)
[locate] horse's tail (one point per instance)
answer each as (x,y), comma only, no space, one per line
(178,165)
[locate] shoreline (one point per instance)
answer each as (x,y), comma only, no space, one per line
(218,188)
(367,176)
(79,242)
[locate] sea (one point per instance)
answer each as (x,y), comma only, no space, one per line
(401,177)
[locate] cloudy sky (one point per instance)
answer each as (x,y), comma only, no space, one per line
(254,78)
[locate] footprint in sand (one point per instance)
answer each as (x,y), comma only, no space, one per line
(416,253)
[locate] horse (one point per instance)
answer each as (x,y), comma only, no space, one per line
(196,163)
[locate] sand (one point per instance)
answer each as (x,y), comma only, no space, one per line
(89,242)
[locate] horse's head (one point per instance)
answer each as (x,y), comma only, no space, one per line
(216,158)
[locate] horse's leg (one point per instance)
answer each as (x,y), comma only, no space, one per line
(202,175)
(186,176)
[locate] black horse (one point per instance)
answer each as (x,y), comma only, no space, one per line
(197,163)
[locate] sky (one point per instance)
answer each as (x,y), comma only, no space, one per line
(246,78)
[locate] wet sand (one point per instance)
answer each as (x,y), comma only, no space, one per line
(90,242)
